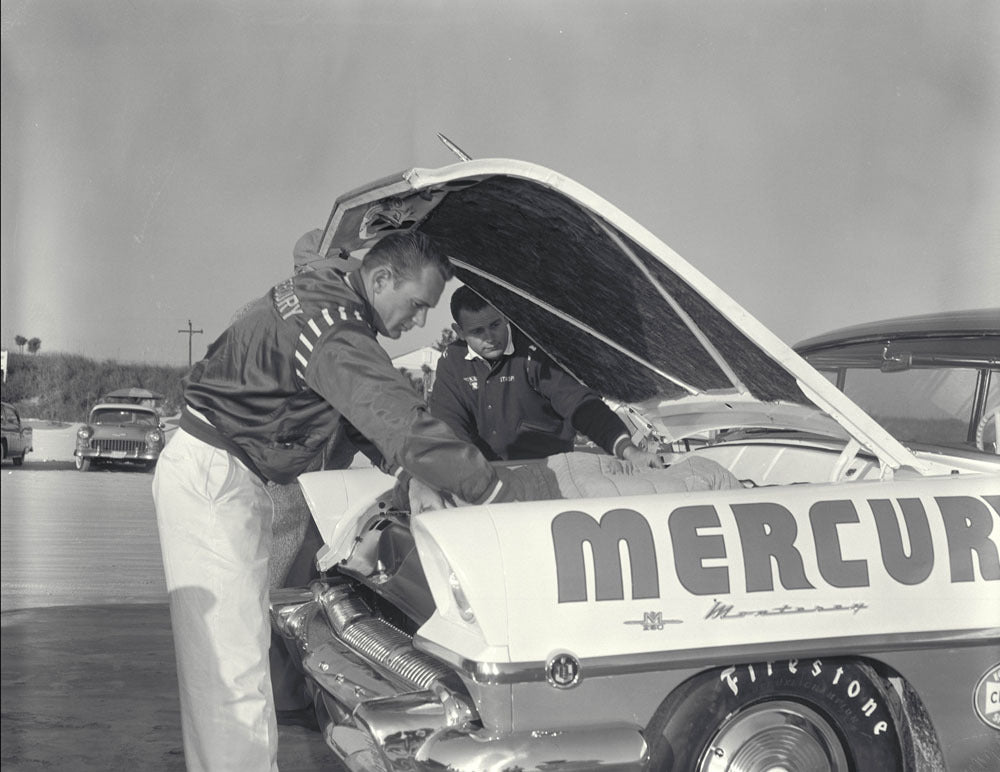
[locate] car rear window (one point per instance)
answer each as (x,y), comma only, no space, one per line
(121,417)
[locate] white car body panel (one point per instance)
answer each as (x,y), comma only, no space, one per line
(474,541)
(878,607)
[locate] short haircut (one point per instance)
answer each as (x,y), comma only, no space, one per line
(407,255)
(466,299)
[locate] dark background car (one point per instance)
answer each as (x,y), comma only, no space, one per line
(932,379)
(17,438)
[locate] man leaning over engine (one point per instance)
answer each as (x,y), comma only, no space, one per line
(295,368)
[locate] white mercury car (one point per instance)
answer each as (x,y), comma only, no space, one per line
(824,597)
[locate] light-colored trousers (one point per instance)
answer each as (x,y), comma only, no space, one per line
(214,518)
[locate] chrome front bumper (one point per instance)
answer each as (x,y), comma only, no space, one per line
(117,455)
(384,706)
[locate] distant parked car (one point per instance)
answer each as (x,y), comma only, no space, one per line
(17,438)
(931,380)
(120,434)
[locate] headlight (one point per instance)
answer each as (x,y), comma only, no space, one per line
(84,432)
(466,595)
(153,437)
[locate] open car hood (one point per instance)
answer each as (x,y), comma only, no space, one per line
(607,299)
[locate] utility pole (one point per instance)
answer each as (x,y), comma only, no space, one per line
(190,333)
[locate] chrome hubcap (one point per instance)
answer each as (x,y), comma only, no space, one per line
(777,736)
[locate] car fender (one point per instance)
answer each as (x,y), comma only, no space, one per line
(678,577)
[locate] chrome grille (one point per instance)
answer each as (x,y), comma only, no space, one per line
(133,447)
(376,639)
(389,646)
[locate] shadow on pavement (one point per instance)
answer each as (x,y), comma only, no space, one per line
(94,688)
(62,466)
(44,466)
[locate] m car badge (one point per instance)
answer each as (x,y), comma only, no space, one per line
(986,698)
(653,620)
(563,671)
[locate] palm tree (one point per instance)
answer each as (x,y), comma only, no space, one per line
(415,382)
(20,340)
(33,345)
(426,380)
(447,336)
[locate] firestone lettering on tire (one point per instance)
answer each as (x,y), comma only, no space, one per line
(851,688)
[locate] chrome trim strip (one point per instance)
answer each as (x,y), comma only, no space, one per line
(618,748)
(495,673)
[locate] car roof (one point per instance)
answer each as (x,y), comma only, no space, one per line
(972,323)
(132,392)
(124,406)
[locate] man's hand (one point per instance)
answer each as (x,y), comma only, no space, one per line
(642,459)
(423,498)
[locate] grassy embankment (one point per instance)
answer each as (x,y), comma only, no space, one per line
(63,387)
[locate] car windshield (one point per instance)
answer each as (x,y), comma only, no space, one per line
(919,405)
(124,416)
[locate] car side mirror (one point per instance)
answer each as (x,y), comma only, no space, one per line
(895,363)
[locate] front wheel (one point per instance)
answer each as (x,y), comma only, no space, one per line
(83,464)
(834,715)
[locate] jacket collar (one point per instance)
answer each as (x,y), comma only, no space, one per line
(355,283)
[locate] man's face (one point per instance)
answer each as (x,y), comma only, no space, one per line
(485,331)
(402,306)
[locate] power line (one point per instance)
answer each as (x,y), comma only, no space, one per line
(190,333)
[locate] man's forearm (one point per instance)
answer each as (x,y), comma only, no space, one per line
(432,453)
(599,423)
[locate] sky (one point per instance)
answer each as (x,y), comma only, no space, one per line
(825,163)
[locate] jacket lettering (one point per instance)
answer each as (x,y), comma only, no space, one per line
(286,302)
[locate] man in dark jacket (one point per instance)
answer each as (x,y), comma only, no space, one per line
(496,389)
(297,367)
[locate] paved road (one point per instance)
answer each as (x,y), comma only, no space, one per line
(70,538)
(88,679)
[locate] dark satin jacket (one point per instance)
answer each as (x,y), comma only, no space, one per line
(299,363)
(519,406)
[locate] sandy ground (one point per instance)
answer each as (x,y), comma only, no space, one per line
(88,680)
